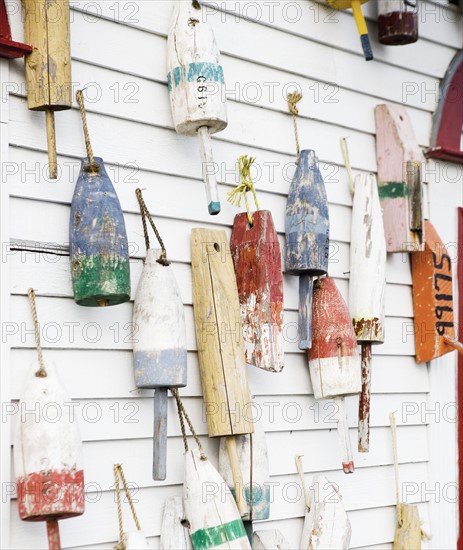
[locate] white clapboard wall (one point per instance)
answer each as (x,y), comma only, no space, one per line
(119,55)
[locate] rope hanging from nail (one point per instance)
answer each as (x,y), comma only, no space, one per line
(41,373)
(345,156)
(92,168)
(293,99)
(145,214)
(246,185)
(118,476)
(183,416)
(396,467)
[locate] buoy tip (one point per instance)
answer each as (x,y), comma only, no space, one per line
(366,46)
(214,208)
(348,467)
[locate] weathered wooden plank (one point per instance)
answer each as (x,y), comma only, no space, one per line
(257,260)
(270,539)
(175,532)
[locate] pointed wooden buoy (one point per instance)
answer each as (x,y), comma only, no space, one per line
(367,286)
(307,236)
(159,350)
(333,359)
(257,258)
(433,300)
(270,539)
(196,86)
(175,528)
(253,459)
(397,22)
(48,67)
(399,179)
(98,241)
(355,5)
(210,507)
(47,449)
(220,345)
(8,47)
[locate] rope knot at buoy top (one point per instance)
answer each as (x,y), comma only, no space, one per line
(118,477)
(144,215)
(235,196)
(183,416)
(293,99)
(92,168)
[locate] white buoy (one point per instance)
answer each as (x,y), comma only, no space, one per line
(175,528)
(160,354)
(196,86)
(270,539)
(248,445)
(215,522)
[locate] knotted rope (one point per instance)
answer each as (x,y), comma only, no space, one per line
(240,192)
(118,476)
(41,373)
(183,416)
(345,156)
(92,168)
(146,214)
(293,99)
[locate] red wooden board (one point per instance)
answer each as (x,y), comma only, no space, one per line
(257,259)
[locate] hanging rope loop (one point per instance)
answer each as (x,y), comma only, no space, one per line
(41,373)
(240,192)
(293,99)
(345,156)
(118,477)
(183,416)
(145,214)
(93,168)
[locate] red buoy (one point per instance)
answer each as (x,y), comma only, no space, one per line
(8,47)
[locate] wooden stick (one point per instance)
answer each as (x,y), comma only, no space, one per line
(364,402)
(160,434)
(210,181)
(362,29)
(343,432)
(237,475)
(305,311)
(300,471)
(51,141)
(54,542)
(458,346)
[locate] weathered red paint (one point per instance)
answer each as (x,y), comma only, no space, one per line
(348,467)
(54,542)
(51,494)
(364,401)
(8,47)
(332,331)
(432,298)
(367,330)
(257,259)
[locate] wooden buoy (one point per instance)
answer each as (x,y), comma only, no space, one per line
(196,86)
(399,179)
(408,533)
(270,539)
(333,359)
(159,350)
(128,540)
(8,47)
(220,345)
(210,507)
(47,449)
(307,236)
(175,528)
(433,300)
(257,258)
(98,238)
(48,66)
(397,22)
(326,524)
(253,459)
(355,5)
(367,286)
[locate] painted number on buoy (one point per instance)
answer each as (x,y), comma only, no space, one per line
(445,299)
(202,90)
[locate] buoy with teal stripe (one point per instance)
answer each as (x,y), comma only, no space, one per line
(196,87)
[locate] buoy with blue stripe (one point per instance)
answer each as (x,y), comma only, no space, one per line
(99,250)
(159,349)
(196,86)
